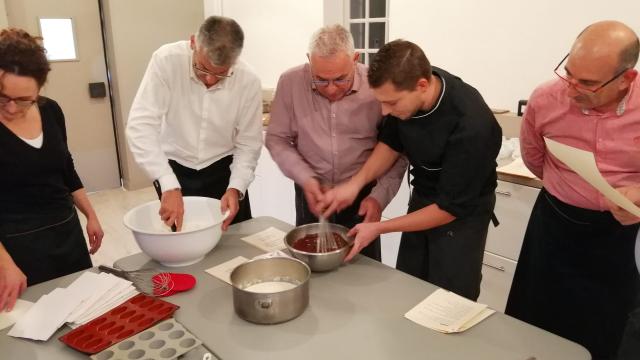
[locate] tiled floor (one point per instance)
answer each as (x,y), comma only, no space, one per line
(111,205)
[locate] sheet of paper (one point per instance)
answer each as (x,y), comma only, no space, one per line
(447,312)
(517,167)
(584,164)
(9,318)
(45,316)
(277,253)
(223,271)
(102,287)
(267,240)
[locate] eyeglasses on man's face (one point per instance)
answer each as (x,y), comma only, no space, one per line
(21,103)
(589,86)
(200,71)
(336,82)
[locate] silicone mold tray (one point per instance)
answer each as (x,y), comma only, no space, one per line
(167,340)
(136,314)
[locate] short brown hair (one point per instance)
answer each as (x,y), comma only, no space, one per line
(401,62)
(21,54)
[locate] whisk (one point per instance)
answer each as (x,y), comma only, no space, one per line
(148,281)
(326,242)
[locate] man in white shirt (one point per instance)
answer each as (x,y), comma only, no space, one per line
(195,124)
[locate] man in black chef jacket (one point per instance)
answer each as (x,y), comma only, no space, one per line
(451,139)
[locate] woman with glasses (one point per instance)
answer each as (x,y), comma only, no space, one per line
(40,233)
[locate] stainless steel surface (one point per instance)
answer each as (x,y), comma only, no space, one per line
(355,313)
(270,308)
(318,261)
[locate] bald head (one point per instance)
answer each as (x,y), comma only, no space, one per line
(610,42)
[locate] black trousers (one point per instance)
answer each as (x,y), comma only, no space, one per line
(45,245)
(347,217)
(448,256)
(212,182)
(576,275)
(630,344)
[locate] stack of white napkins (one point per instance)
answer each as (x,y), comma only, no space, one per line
(88,297)
(447,312)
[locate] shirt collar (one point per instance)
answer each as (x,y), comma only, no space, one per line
(421,114)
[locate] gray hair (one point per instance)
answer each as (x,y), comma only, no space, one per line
(222,39)
(330,40)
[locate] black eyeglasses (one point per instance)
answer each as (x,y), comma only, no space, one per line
(21,103)
(566,77)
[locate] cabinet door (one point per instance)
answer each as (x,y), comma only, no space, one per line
(390,243)
(513,207)
(400,203)
(497,275)
(271,192)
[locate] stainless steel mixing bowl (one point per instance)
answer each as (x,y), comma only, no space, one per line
(319,261)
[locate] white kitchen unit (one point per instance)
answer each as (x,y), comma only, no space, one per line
(271,192)
(514,203)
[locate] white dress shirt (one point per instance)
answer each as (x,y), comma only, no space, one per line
(174,116)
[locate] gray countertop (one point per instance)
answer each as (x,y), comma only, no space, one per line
(355,312)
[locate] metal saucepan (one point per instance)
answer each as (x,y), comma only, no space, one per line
(319,261)
(285,297)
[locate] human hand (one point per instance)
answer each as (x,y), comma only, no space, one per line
(623,216)
(339,198)
(364,234)
(12,284)
(313,193)
(229,202)
(95,234)
(172,208)
(371,210)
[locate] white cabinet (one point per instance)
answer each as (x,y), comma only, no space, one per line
(271,193)
(497,275)
(514,203)
(390,243)
(400,203)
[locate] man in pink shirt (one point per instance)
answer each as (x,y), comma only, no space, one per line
(576,274)
(324,124)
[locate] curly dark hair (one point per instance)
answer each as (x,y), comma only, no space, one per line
(21,54)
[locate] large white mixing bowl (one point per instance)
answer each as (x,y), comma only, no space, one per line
(200,233)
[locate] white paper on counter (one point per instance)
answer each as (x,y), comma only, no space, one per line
(267,240)
(19,309)
(223,271)
(447,312)
(272,254)
(45,316)
(517,167)
(584,164)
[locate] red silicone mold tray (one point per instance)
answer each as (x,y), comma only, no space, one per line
(136,314)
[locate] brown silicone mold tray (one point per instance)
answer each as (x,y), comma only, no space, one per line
(135,315)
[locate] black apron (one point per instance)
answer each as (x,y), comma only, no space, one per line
(45,245)
(212,182)
(576,275)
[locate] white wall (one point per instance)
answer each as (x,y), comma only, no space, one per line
(3,15)
(502,47)
(276,32)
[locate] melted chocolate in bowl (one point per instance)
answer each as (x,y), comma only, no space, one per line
(309,243)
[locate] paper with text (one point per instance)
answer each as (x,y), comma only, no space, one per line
(223,271)
(268,240)
(447,312)
(584,164)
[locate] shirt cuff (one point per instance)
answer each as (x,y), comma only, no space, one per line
(381,196)
(169,182)
(238,185)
